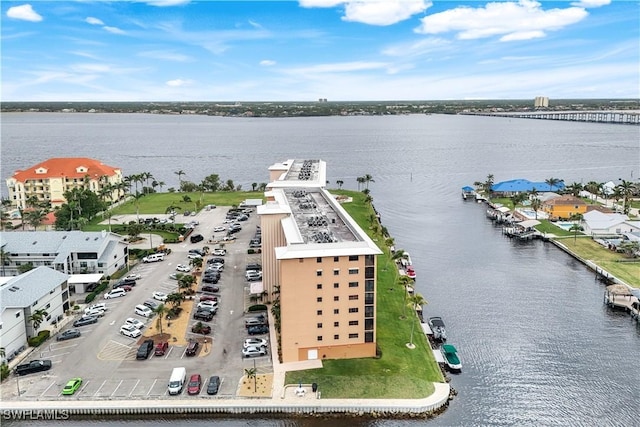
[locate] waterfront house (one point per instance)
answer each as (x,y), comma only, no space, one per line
(517,186)
(564,207)
(49,180)
(39,289)
(597,223)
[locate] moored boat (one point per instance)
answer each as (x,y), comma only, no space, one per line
(437,327)
(468,192)
(411,273)
(451,358)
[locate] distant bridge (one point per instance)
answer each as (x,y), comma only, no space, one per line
(627,117)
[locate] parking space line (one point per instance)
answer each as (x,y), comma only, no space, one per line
(134,387)
(169,352)
(84,385)
(47,389)
(100,388)
(119,384)
(59,354)
(152,385)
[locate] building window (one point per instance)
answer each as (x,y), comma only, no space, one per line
(368,337)
(336,324)
(336,337)
(369,260)
(319,259)
(319,273)
(300,259)
(336,258)
(319,325)
(353,284)
(369,298)
(368,324)
(353,257)
(369,272)
(336,298)
(353,323)
(336,285)
(368,311)
(353,310)
(319,286)
(336,272)
(83,264)
(18,314)
(319,337)
(353,335)
(319,312)
(34,304)
(353,271)
(48,306)
(369,285)
(319,299)
(336,311)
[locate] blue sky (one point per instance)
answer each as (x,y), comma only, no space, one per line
(178,50)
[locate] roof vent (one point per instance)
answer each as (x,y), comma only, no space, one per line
(35,242)
(14,288)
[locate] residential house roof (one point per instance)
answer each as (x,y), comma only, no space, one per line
(68,167)
(522,185)
(23,290)
(565,200)
(597,220)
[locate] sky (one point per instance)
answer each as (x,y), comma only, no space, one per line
(341,50)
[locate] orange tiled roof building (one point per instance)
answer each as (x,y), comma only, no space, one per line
(49,180)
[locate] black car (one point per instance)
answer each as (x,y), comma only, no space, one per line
(196,238)
(151,304)
(214,385)
(68,334)
(209,288)
(196,251)
(124,282)
(145,349)
(210,279)
(33,367)
(256,267)
(215,261)
(85,320)
(258,330)
(192,348)
(205,315)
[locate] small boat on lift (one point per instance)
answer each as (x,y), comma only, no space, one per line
(411,273)
(451,358)
(437,327)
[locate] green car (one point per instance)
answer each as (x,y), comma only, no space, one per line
(72,386)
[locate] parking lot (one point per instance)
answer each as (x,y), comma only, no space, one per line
(106,359)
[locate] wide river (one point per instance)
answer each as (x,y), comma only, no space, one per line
(538,346)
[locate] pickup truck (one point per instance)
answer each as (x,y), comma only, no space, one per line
(33,367)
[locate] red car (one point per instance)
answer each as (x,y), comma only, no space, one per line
(195,382)
(161,348)
(208,298)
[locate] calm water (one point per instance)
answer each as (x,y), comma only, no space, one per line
(537,344)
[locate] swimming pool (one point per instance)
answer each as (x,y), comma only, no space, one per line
(565,225)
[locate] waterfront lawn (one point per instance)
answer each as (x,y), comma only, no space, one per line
(399,372)
(157,203)
(615,263)
(548,227)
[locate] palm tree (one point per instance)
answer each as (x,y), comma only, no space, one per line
(536,204)
(160,310)
(180,173)
(553,182)
(251,373)
(574,189)
(517,199)
(576,226)
(360,181)
(36,318)
(367,179)
(594,188)
(415,300)
(175,298)
(340,183)
(196,262)
(254,185)
(5,258)
(35,217)
(626,189)
(404,281)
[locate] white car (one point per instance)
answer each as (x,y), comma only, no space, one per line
(254,351)
(254,342)
(160,296)
(219,252)
(98,306)
(135,322)
(219,229)
(93,312)
(128,330)
(216,267)
(133,276)
(208,304)
(183,267)
(193,256)
(115,293)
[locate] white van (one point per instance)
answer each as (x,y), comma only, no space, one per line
(176,382)
(153,258)
(143,310)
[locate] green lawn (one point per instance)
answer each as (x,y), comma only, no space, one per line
(157,203)
(399,372)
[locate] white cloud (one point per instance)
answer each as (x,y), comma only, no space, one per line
(514,21)
(339,67)
(591,3)
(254,24)
(113,30)
(24,13)
(177,83)
(374,12)
(267,62)
(166,56)
(93,21)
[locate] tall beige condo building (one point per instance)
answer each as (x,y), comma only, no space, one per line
(320,264)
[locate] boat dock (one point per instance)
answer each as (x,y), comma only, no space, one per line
(621,297)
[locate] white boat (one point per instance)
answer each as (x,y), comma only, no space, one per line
(437,327)
(405,260)
(451,358)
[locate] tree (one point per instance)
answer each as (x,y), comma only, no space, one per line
(180,173)
(175,298)
(553,182)
(404,281)
(576,227)
(629,249)
(81,203)
(35,217)
(134,229)
(536,204)
(251,373)
(574,189)
(23,268)
(340,183)
(196,262)
(36,318)
(360,181)
(415,300)
(367,179)
(160,310)
(626,190)
(5,258)
(518,198)
(254,185)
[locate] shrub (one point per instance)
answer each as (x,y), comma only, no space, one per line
(39,339)
(4,371)
(90,297)
(257,307)
(250,251)
(174,312)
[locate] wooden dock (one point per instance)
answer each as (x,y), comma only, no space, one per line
(620,297)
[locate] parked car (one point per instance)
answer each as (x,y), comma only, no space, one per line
(192,348)
(205,315)
(193,256)
(258,330)
(254,321)
(194,385)
(207,304)
(254,351)
(183,268)
(254,342)
(253,276)
(201,328)
(151,304)
(209,288)
(68,335)
(130,331)
(144,350)
(215,261)
(133,276)
(211,278)
(175,276)
(94,312)
(97,306)
(115,293)
(219,252)
(135,322)
(124,282)
(33,367)
(161,348)
(254,266)
(216,268)
(85,320)
(196,238)
(197,252)
(72,386)
(214,385)
(219,228)
(160,296)
(208,298)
